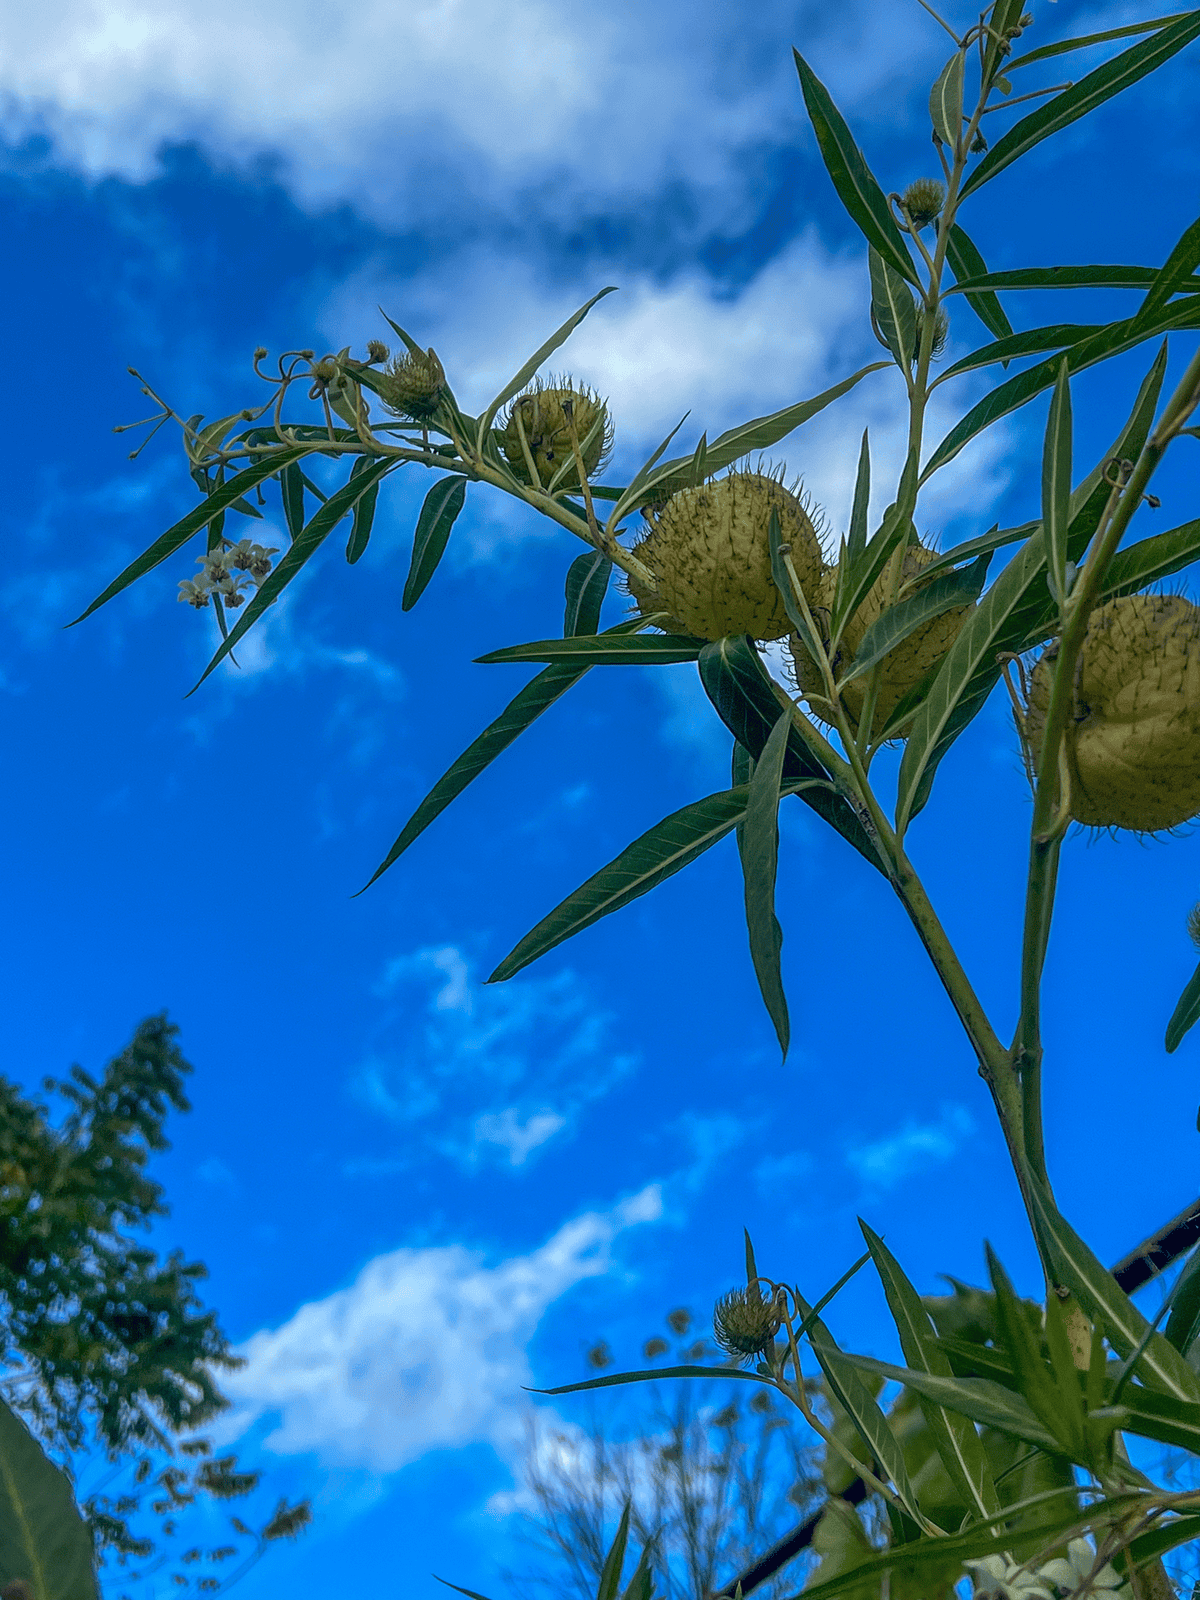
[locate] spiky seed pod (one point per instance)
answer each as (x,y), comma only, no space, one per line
(1133,738)
(905,666)
(923,201)
(744,1323)
(941,329)
(412,386)
(709,549)
(547,414)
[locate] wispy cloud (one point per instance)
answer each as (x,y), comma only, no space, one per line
(425,1350)
(882,1163)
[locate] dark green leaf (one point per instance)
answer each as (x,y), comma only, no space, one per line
(44,1541)
(616,1379)
(243,507)
(1059,1411)
(587,582)
(966,263)
(759,846)
(364,517)
(1158,1416)
(736,682)
(180,532)
(855,581)
(961,588)
(1150,560)
(603,649)
(1004,14)
(442,505)
(970,549)
(1063,46)
(302,549)
(1185,1014)
(946,102)
(1091,91)
(852,178)
(558,337)
(856,539)
(895,314)
(1176,272)
(977,1398)
(1032,343)
(1090,277)
(610,1575)
(410,344)
(608,492)
(1166,1537)
(1056,483)
(472,1594)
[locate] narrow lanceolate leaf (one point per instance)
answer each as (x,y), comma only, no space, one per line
(610,1576)
(856,579)
(1185,1015)
(946,102)
(1064,46)
(603,649)
(291,488)
(1054,337)
(854,181)
(1004,14)
(364,517)
(1056,482)
(586,585)
(299,552)
(953,589)
(1091,91)
(966,263)
(650,1374)
(558,337)
(1148,561)
(736,682)
(1176,273)
(758,839)
(895,314)
(978,1398)
(662,851)
(856,539)
(44,1541)
(860,1405)
(957,1442)
(1090,277)
(180,532)
(1160,1365)
(1183,1324)
(442,505)
(970,549)
(1158,1416)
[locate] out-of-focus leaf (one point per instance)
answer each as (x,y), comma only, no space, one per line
(895,314)
(1157,1416)
(603,649)
(44,1541)
(966,263)
(1091,91)
(961,588)
(1185,1014)
(1150,1546)
(558,337)
(1032,343)
(442,505)
(586,585)
(1056,482)
(1183,1323)
(1063,46)
(977,1398)
(854,181)
(616,1379)
(758,841)
(199,517)
(610,1575)
(946,102)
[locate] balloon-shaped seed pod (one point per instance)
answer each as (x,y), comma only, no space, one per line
(902,668)
(412,385)
(709,550)
(546,414)
(1133,736)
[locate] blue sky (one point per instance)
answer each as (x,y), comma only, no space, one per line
(415,1193)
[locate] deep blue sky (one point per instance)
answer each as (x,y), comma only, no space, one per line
(414,1193)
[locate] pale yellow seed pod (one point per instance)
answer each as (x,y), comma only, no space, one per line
(547,415)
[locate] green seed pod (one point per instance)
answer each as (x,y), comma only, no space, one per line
(905,666)
(412,386)
(1133,737)
(744,1324)
(709,549)
(547,415)
(941,329)
(923,201)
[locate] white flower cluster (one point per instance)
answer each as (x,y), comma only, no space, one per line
(226,572)
(998,1578)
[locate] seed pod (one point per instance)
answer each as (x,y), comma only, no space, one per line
(709,549)
(744,1323)
(904,667)
(1133,736)
(412,385)
(923,201)
(546,415)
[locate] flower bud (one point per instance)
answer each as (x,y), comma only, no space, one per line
(554,418)
(744,1324)
(412,385)
(923,201)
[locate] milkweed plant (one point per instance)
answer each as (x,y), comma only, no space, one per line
(1006,1470)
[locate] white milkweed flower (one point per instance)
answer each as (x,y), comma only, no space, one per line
(246,556)
(215,565)
(998,1578)
(196,594)
(1072,1573)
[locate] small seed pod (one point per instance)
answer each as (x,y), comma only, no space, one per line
(709,550)
(904,667)
(941,329)
(412,385)
(547,415)
(1133,737)
(744,1323)
(923,201)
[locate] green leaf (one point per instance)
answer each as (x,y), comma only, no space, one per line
(364,517)
(1032,343)
(657,855)
(1166,1537)
(736,682)
(302,549)
(893,309)
(958,1445)
(1157,1416)
(852,178)
(856,580)
(978,1398)
(966,263)
(1056,483)
(603,649)
(1073,1265)
(1176,272)
(758,840)
(1063,46)
(1089,277)
(961,588)
(291,490)
(805,628)
(442,505)
(1150,560)
(1004,14)
(44,1540)
(1060,1411)
(1185,1014)
(586,585)
(472,1594)
(1091,91)
(558,337)
(946,102)
(639,478)
(616,1379)
(610,1575)
(856,540)
(970,549)
(199,517)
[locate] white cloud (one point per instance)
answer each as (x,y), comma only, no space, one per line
(884,1162)
(506,1129)
(426,1350)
